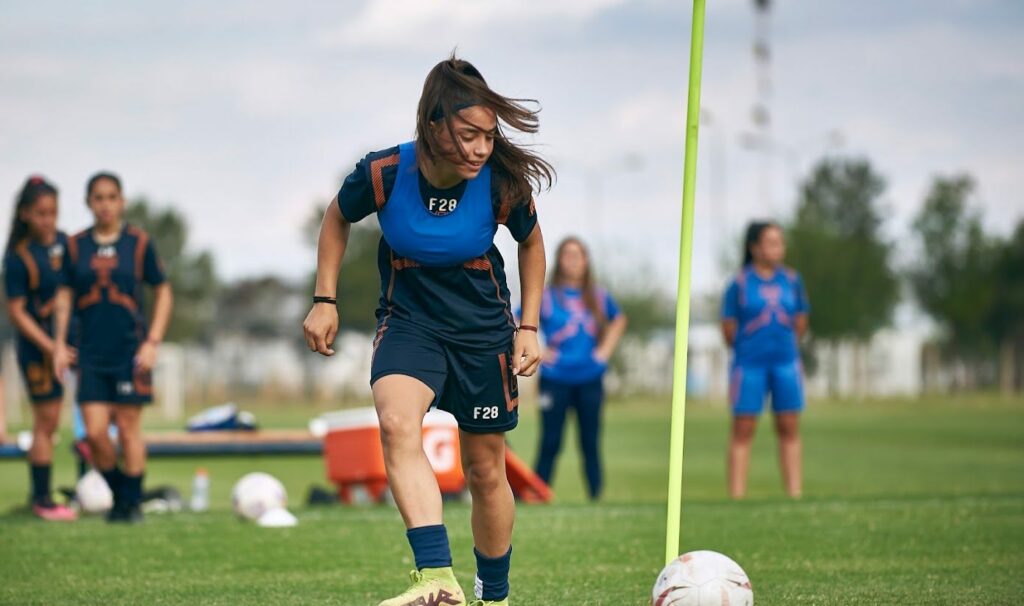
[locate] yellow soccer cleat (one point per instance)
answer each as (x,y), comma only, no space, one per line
(483,603)
(430,587)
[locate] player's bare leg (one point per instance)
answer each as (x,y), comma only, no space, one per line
(787,426)
(483,460)
(40,457)
(129,432)
(96,416)
(401,402)
(743,429)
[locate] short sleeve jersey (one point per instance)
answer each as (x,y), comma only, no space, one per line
(35,271)
(571,332)
(440,271)
(764,311)
(107,280)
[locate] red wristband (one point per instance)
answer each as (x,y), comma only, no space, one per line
(528,327)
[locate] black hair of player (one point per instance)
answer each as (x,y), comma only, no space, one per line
(453,85)
(93,180)
(35,187)
(754,232)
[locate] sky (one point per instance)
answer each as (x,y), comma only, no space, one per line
(247,115)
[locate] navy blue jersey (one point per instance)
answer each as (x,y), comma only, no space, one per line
(764,311)
(440,271)
(34,271)
(107,280)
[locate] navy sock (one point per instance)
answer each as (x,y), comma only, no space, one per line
(40,481)
(115,480)
(132,492)
(430,546)
(492,575)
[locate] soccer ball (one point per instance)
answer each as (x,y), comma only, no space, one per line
(256,493)
(93,494)
(702,578)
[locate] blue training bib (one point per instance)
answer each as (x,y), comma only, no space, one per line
(412,231)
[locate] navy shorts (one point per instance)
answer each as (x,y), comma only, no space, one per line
(124,384)
(750,384)
(37,369)
(477,387)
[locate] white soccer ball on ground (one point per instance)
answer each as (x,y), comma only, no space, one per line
(702,578)
(93,494)
(257,493)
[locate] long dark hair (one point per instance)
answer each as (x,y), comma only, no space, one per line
(754,231)
(93,180)
(453,85)
(35,187)
(589,289)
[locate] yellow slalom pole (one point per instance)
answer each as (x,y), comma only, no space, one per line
(675,474)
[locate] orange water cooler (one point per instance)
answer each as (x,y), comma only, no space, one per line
(355,460)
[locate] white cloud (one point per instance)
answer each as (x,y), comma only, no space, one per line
(419,24)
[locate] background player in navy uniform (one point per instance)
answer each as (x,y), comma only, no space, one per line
(764,315)
(445,330)
(34,268)
(108,265)
(582,326)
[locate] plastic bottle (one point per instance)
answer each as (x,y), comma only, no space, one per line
(200,491)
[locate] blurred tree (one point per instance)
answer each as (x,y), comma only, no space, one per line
(266,307)
(359,280)
(192,275)
(1007,318)
(835,242)
(954,278)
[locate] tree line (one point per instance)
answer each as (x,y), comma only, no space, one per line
(968,281)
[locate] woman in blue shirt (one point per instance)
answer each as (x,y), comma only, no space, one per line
(582,326)
(34,268)
(446,335)
(764,315)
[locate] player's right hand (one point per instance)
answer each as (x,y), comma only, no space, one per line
(63,358)
(320,328)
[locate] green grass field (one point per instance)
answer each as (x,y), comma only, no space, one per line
(906,503)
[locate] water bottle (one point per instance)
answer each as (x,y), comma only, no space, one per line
(200,491)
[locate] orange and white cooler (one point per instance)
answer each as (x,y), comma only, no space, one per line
(355,460)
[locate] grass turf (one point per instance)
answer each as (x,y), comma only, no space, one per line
(907,503)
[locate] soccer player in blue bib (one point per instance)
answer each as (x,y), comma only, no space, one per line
(109,264)
(582,326)
(764,315)
(446,336)
(34,268)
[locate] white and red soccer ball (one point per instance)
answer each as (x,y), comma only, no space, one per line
(702,578)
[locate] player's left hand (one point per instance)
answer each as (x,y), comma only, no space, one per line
(145,357)
(525,353)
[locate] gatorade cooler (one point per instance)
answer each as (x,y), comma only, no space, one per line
(355,460)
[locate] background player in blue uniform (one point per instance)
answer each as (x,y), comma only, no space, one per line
(582,326)
(764,315)
(34,268)
(108,265)
(445,330)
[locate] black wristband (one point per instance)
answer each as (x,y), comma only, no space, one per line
(319,299)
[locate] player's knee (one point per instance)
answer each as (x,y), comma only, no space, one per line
(788,433)
(96,434)
(397,429)
(485,477)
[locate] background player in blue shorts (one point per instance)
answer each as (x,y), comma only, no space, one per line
(446,336)
(582,326)
(34,268)
(108,265)
(764,315)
